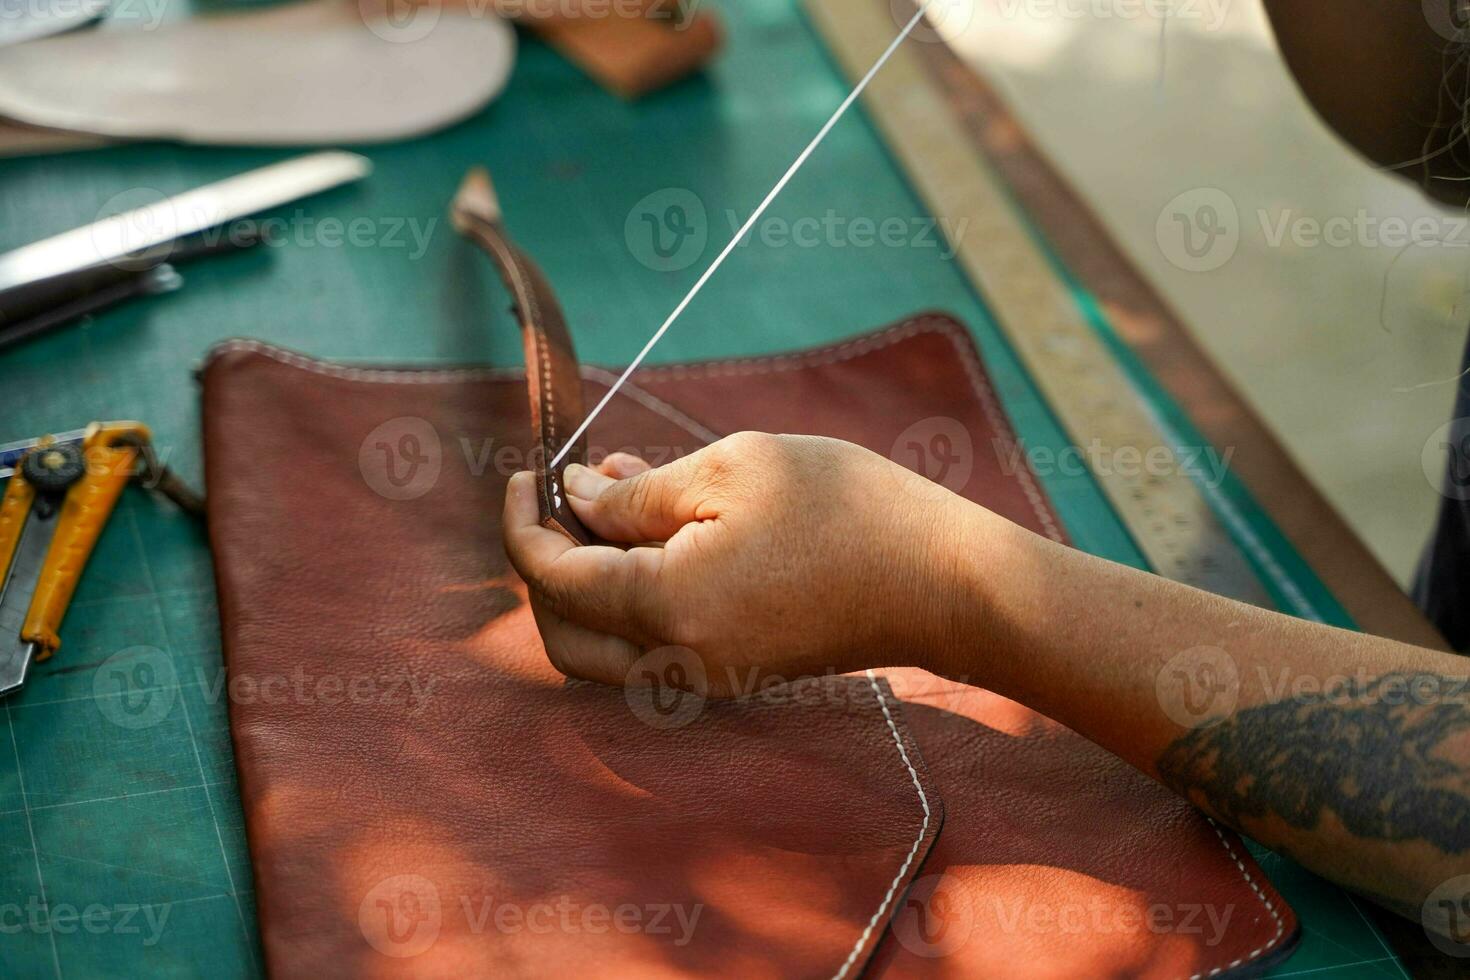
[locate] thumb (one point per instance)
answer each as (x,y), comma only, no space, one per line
(651,506)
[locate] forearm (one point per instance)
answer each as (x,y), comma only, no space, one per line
(1350,752)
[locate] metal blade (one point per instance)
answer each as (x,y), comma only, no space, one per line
(15,664)
(11,452)
(193,211)
(20,586)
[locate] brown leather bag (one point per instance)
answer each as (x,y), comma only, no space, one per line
(426,797)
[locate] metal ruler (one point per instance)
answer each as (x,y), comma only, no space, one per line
(1103,413)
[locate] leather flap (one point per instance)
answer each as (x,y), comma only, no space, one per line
(355,521)
(431,798)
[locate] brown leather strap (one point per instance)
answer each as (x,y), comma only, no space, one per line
(552,377)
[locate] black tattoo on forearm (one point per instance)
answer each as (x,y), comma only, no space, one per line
(1387,756)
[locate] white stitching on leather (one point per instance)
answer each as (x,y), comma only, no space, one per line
(521,282)
(831,354)
(913,851)
(649,401)
(371,375)
(1280,924)
(548,418)
(1002,426)
(653,403)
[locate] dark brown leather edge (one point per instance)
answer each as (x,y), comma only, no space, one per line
(552,374)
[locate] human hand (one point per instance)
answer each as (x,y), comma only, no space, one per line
(766,556)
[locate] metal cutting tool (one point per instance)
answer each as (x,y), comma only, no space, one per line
(79,272)
(61,491)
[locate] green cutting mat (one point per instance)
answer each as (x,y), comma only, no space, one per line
(118,805)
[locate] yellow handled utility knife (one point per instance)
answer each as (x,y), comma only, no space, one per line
(61,492)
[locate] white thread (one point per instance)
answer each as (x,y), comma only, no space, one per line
(370,375)
(749,223)
(913,851)
(1001,424)
(1280,924)
(653,403)
(816,357)
(522,283)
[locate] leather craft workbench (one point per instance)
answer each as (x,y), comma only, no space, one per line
(141,811)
